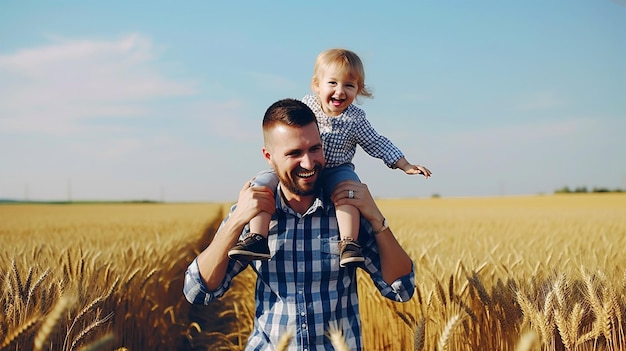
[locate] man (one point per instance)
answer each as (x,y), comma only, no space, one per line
(301,289)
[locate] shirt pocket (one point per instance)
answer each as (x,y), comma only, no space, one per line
(329,260)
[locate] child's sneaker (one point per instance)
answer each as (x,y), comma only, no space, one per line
(252,247)
(349,252)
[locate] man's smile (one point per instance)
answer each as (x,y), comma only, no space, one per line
(306,174)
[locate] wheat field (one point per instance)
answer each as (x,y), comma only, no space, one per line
(507,273)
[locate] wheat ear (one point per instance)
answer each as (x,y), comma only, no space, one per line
(284,341)
(336,338)
(448,330)
(95,324)
(99,344)
(420,335)
(527,341)
(22,329)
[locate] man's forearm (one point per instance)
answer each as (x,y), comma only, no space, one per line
(395,262)
(213,261)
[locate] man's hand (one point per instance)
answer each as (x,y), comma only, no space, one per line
(254,200)
(361,199)
(395,262)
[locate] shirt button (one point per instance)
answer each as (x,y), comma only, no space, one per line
(302,314)
(303,326)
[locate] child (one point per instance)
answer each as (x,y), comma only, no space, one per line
(338,79)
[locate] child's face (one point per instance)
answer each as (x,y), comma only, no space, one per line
(336,90)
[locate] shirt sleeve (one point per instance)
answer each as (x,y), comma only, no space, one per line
(400,290)
(375,144)
(194,289)
(197,293)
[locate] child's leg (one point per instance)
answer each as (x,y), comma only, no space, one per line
(255,245)
(348,218)
(261,224)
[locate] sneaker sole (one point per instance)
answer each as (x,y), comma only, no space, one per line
(346,261)
(247,255)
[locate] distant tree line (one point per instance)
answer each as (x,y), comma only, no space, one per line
(583,189)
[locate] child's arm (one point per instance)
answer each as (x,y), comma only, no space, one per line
(409,168)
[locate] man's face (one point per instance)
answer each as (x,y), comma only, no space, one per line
(296,155)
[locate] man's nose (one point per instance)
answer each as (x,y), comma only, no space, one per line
(307,161)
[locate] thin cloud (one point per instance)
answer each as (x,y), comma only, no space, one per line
(54,88)
(524,133)
(414,97)
(270,81)
(224,120)
(542,101)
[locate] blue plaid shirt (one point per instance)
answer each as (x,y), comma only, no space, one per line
(301,288)
(341,134)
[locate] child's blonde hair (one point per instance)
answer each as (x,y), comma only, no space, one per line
(346,62)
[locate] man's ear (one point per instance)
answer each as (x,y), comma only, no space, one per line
(267,155)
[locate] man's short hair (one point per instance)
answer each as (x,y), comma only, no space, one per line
(291,112)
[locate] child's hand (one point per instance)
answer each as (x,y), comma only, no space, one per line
(417,169)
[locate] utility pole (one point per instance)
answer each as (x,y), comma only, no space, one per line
(69,190)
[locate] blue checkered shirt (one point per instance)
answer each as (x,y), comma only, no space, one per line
(302,289)
(341,135)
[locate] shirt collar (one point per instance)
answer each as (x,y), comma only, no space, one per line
(320,203)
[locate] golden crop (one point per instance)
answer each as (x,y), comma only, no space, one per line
(509,273)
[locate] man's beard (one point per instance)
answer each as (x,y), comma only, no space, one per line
(291,185)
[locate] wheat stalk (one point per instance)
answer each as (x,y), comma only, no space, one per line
(147,277)
(83,312)
(448,330)
(420,335)
(99,344)
(27,282)
(91,327)
(52,320)
(480,288)
(575,319)
(527,341)
(18,332)
(602,324)
(335,334)
(440,291)
(617,312)
(21,294)
(35,286)
(563,327)
(284,341)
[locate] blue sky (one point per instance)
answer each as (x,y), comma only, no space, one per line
(159,100)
